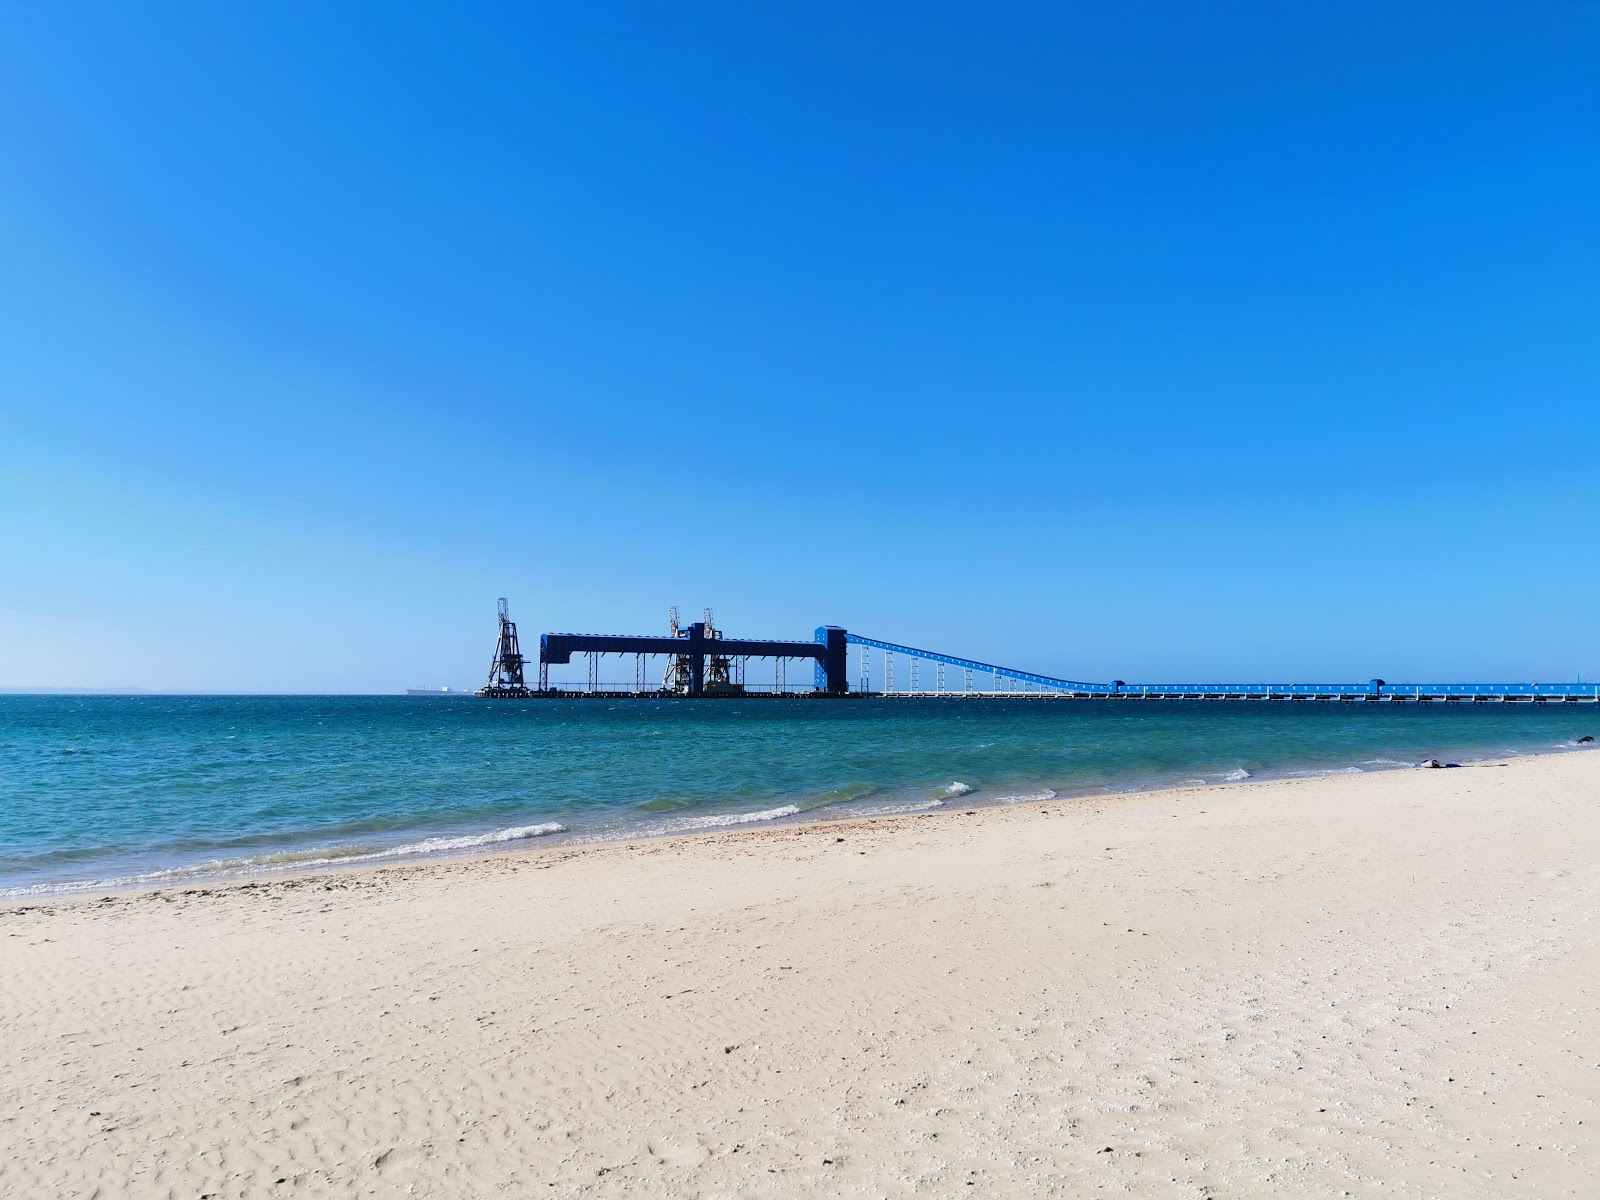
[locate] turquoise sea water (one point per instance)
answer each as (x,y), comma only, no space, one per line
(102,791)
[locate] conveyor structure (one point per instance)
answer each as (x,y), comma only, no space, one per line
(703,662)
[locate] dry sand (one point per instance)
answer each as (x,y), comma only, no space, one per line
(1378,985)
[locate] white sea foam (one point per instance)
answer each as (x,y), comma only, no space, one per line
(958,788)
(234,868)
(1386,762)
(720,820)
(443,845)
(1235,775)
(1326,771)
(894,810)
(1027,797)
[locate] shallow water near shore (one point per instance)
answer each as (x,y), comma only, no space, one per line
(117,791)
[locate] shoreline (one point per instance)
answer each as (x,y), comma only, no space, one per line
(222,790)
(535,847)
(1374,984)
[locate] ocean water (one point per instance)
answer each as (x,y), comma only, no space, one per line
(98,792)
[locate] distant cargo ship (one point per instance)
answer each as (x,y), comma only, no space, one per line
(438,691)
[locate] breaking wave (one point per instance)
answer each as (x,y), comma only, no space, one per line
(443,845)
(958,788)
(721,820)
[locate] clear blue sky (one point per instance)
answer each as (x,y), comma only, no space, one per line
(1147,340)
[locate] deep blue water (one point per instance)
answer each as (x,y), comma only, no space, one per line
(108,790)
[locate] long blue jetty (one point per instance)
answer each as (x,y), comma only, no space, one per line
(698,660)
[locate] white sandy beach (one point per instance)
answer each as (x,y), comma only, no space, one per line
(1367,985)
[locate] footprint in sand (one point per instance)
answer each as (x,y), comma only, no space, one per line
(677,1152)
